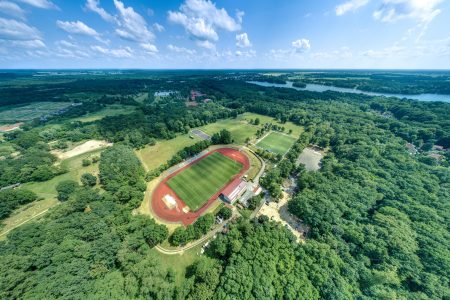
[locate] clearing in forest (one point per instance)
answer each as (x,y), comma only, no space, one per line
(196,184)
(88,146)
(277,143)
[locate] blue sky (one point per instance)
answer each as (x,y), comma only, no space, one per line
(405,34)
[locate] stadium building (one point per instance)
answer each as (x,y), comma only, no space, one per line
(234,190)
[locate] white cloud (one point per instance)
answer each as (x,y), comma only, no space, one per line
(389,52)
(242,40)
(181,50)
(126,52)
(280,54)
(31,44)
(351,5)
(424,11)
(77,27)
(94,6)
(201,20)
(342,53)
(158,27)
(301,45)
(15,30)
(40,3)
(149,47)
(196,27)
(12,9)
(206,44)
(248,54)
(132,26)
(393,10)
(65,43)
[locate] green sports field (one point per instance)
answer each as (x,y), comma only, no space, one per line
(276,142)
(196,184)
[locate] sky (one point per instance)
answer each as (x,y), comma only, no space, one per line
(204,34)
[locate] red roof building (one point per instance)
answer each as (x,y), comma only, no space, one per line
(234,190)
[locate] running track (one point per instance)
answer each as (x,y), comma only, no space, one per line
(177,215)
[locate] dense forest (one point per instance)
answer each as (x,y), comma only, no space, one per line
(378,215)
(409,83)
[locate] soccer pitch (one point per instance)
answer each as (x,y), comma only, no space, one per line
(276,142)
(196,184)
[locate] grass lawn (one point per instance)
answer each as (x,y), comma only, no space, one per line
(179,262)
(276,142)
(154,156)
(14,113)
(47,190)
(110,110)
(241,129)
(196,184)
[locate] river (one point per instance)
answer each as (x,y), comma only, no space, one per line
(323,88)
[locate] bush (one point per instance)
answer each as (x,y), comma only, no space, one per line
(225,213)
(65,189)
(86,162)
(10,199)
(254,202)
(88,179)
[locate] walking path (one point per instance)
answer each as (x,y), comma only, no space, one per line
(26,221)
(190,245)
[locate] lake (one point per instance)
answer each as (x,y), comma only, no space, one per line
(323,88)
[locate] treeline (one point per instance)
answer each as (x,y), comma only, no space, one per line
(11,199)
(285,167)
(159,121)
(261,260)
(89,247)
(417,122)
(392,83)
(222,137)
(182,235)
(127,185)
(378,211)
(31,161)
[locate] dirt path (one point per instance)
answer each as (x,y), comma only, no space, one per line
(190,245)
(81,149)
(26,221)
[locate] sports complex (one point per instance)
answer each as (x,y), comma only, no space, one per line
(188,189)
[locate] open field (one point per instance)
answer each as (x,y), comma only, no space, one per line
(179,263)
(47,190)
(26,213)
(15,113)
(241,129)
(154,156)
(276,142)
(311,158)
(88,146)
(141,98)
(110,110)
(196,184)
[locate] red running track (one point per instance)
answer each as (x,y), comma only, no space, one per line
(177,214)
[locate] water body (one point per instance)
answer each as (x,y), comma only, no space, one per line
(323,88)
